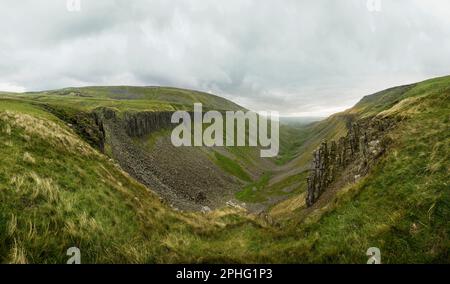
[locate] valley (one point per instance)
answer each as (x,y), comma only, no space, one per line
(95,168)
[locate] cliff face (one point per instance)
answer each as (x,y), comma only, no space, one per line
(185,177)
(355,153)
(143,123)
(88,125)
(137,124)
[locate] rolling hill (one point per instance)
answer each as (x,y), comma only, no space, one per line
(75,164)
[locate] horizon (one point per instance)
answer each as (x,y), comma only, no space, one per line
(304,115)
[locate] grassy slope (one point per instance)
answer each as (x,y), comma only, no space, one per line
(130,98)
(57,192)
(62,195)
(231,167)
(403,206)
(297,142)
(127,98)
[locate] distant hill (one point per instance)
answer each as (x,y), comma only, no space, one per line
(132,98)
(299,120)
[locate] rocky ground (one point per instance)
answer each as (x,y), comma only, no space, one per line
(185,177)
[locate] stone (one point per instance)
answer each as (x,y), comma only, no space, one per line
(358,150)
(205,209)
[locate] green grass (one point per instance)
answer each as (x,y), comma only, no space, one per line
(231,167)
(403,207)
(56,191)
(292,137)
(65,195)
(7,104)
(128,98)
(251,192)
(261,191)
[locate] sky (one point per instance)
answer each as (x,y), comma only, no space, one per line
(301,58)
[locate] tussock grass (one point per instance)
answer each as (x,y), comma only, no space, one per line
(6,129)
(34,186)
(28,158)
(12,225)
(289,206)
(17,254)
(46,129)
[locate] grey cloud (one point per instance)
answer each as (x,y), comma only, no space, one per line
(297,57)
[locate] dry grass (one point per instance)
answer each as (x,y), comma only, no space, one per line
(18,182)
(34,186)
(401,208)
(134,253)
(28,158)
(406,108)
(12,225)
(7,129)
(46,129)
(17,254)
(288,206)
(89,223)
(175,240)
(213,219)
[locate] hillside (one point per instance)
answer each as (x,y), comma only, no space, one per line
(129,98)
(132,126)
(402,205)
(59,188)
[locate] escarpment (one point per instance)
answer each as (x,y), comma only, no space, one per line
(143,123)
(136,124)
(185,177)
(88,125)
(353,154)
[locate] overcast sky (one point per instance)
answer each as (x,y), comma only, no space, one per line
(306,58)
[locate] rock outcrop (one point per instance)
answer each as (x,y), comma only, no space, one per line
(185,177)
(86,124)
(143,123)
(353,154)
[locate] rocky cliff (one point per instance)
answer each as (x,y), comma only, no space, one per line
(353,154)
(143,123)
(186,177)
(88,125)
